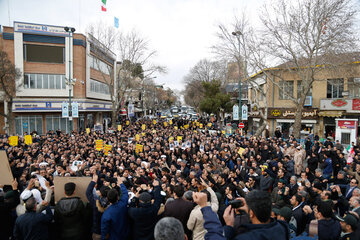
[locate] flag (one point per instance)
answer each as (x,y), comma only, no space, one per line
(116,22)
(103,6)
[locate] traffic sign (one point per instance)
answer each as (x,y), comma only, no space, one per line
(241,125)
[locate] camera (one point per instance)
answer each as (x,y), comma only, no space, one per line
(236,204)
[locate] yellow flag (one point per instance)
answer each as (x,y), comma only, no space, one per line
(186,126)
(154,122)
(143,127)
(28,139)
(13,140)
(119,127)
(179,138)
(170,122)
(87,130)
(165,124)
(137,137)
(99,144)
(171,138)
(127,122)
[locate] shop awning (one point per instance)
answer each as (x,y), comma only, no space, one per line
(330,113)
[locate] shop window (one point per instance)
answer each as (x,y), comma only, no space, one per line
(286,90)
(354,87)
(56,122)
(335,87)
(28,124)
(41,53)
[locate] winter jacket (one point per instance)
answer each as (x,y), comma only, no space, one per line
(145,218)
(32,225)
(69,218)
(328,167)
(114,221)
(196,220)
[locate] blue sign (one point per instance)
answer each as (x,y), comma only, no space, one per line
(235,112)
(65,109)
(244,112)
(75,109)
(25,125)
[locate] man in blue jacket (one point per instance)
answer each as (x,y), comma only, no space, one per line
(258,206)
(114,222)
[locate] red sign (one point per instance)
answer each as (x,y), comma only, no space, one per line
(338,103)
(356,104)
(345,124)
(241,125)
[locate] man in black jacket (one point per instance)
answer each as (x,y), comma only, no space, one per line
(144,216)
(69,215)
(32,225)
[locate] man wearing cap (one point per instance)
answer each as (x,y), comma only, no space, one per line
(349,226)
(145,215)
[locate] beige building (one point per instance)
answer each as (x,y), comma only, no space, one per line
(335,93)
(46,55)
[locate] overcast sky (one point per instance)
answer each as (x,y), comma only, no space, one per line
(181,31)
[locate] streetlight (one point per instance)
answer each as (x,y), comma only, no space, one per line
(70,82)
(237,34)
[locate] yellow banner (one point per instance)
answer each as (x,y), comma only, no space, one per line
(197,124)
(127,122)
(139,148)
(209,124)
(186,126)
(201,125)
(13,140)
(179,138)
(154,122)
(170,122)
(241,150)
(165,124)
(99,144)
(107,149)
(143,127)
(28,139)
(87,130)
(171,138)
(176,128)
(119,127)
(137,137)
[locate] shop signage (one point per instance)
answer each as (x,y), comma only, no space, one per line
(356,104)
(346,124)
(339,103)
(291,112)
(40,29)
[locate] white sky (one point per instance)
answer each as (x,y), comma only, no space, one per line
(181,31)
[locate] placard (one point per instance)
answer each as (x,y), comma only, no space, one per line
(13,140)
(6,176)
(99,144)
(28,139)
(80,190)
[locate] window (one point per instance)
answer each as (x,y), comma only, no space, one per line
(56,122)
(100,65)
(354,87)
(286,90)
(44,81)
(28,124)
(99,87)
(335,87)
(41,53)
(300,88)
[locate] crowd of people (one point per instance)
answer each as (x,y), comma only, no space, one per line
(179,181)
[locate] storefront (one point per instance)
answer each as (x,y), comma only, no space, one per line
(346,131)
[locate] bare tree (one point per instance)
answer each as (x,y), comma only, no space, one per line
(307,37)
(8,85)
(134,63)
(237,44)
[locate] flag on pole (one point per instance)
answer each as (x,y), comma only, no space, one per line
(103,6)
(116,22)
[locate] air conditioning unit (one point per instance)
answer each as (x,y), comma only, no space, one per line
(308,101)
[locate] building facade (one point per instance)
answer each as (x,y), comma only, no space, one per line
(334,94)
(46,56)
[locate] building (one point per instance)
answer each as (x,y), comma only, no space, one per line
(46,55)
(335,93)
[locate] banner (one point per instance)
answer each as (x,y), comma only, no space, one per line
(28,139)
(13,140)
(80,190)
(6,176)
(131,110)
(186,126)
(235,112)
(171,138)
(244,112)
(65,110)
(139,148)
(74,109)
(179,138)
(165,124)
(99,144)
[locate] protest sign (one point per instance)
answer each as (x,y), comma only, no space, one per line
(107,149)
(119,127)
(99,144)
(80,191)
(165,124)
(241,150)
(88,130)
(13,140)
(154,122)
(176,128)
(6,176)
(186,126)
(171,145)
(137,137)
(171,138)
(176,143)
(143,127)
(179,138)
(127,122)
(201,126)
(139,148)
(170,122)
(28,139)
